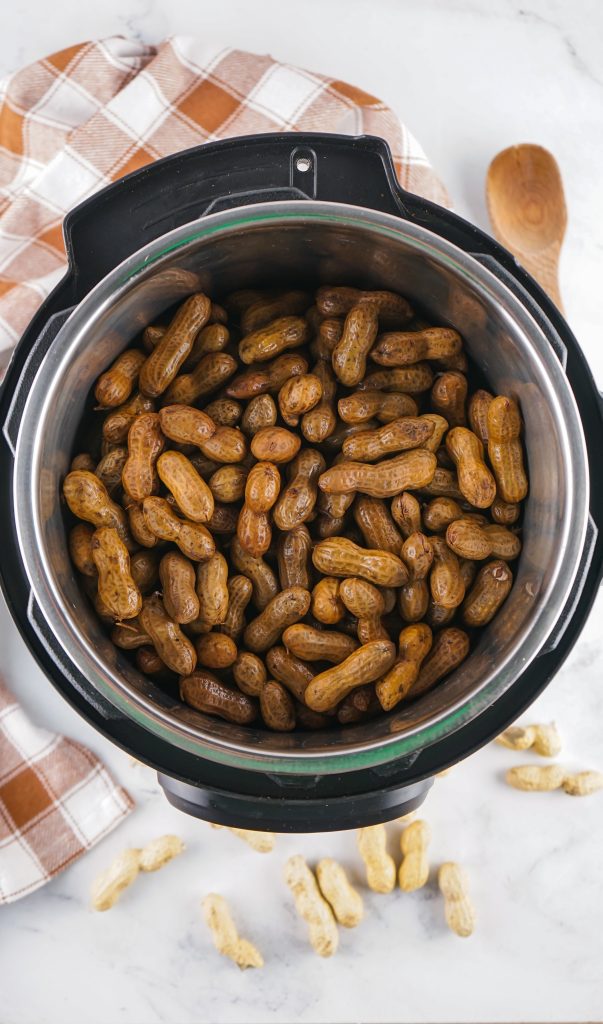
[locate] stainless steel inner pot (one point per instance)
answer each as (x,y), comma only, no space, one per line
(310,243)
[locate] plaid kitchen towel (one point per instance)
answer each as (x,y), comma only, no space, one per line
(81,118)
(56,801)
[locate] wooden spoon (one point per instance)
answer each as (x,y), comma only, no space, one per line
(527,209)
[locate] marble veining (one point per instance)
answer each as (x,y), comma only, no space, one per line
(470,77)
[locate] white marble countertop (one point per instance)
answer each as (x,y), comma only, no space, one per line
(469,77)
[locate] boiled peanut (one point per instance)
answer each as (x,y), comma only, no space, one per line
(83,461)
(440,513)
(450,648)
(490,590)
(227,444)
(338,301)
(399,435)
(474,541)
(413,469)
(271,378)
(326,605)
(192,538)
(204,692)
(440,426)
(378,529)
(365,665)
(225,412)
(277,707)
(477,411)
(444,483)
(350,354)
(359,705)
(151,336)
(162,365)
(110,468)
(437,616)
(224,519)
(177,575)
(293,552)
(406,511)
(297,501)
(216,650)
(117,424)
(334,441)
(504,449)
(505,513)
(80,549)
(275,444)
(283,610)
(228,483)
(239,596)
(338,556)
(130,635)
(400,348)
(249,673)
(411,380)
(266,310)
(311,644)
(319,423)
(192,494)
(185,425)
(269,341)
(446,582)
(260,412)
(476,482)
(448,397)
(264,582)
(212,338)
(417,555)
(414,644)
(328,334)
(114,387)
(364,405)
(261,491)
(149,662)
(145,444)
(211,373)
(366,603)
(138,526)
(88,499)
(332,509)
(212,589)
(144,567)
(172,646)
(297,396)
(116,587)
(289,670)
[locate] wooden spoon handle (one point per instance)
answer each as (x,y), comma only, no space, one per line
(544,266)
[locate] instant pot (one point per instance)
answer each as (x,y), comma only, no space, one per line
(299,210)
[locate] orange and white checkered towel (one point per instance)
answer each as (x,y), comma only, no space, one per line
(81,118)
(56,801)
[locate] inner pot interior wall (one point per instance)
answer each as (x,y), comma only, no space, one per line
(305,254)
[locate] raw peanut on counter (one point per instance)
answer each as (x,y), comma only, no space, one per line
(477,411)
(162,365)
(275,444)
(399,435)
(115,385)
(209,374)
(193,539)
(249,673)
(269,378)
(414,869)
(80,549)
(364,405)
(298,498)
(297,396)
(262,489)
(88,499)
(260,412)
(583,783)
(227,444)
(414,644)
(412,470)
(216,650)
(450,648)
(172,646)
(265,310)
(261,842)
(225,412)
(239,595)
(365,665)
(326,605)
(277,707)
(228,483)
(292,672)
(116,587)
(186,425)
(476,482)
(110,468)
(338,556)
(469,539)
(536,777)
(310,905)
(338,301)
(448,397)
(283,610)
(145,444)
(380,867)
(205,692)
(193,496)
(177,576)
(212,589)
(446,582)
(225,936)
(117,424)
(378,529)
(293,555)
(366,603)
(274,338)
(518,737)
(263,580)
(319,423)
(108,886)
(411,380)
(490,589)
(459,911)
(350,353)
(406,511)
(400,348)
(504,449)
(346,902)
(309,644)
